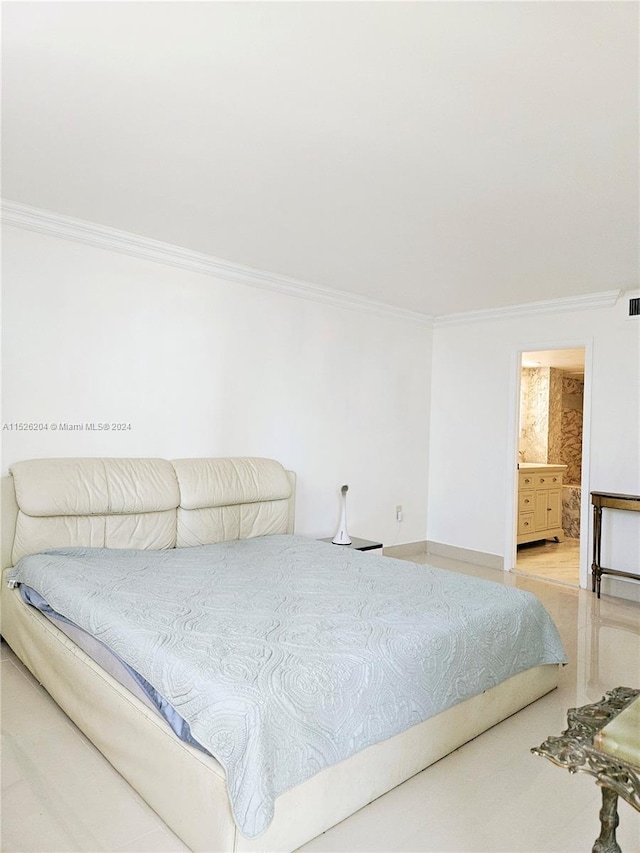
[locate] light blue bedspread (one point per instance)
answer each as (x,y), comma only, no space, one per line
(286,655)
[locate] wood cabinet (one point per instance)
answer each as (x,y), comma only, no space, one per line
(539,502)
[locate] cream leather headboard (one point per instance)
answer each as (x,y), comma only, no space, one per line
(142,503)
(222,499)
(95,503)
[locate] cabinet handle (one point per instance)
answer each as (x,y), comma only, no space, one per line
(554,479)
(548,509)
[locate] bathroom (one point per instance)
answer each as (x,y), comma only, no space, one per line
(551,431)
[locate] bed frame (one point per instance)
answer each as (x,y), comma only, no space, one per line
(153,503)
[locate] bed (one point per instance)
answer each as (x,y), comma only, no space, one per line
(192,507)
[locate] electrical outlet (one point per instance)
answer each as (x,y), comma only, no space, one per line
(399,512)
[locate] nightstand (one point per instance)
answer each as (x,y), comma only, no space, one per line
(360,545)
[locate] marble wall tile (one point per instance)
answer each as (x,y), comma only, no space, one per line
(534,414)
(555,438)
(571,497)
(572,385)
(551,419)
(572,423)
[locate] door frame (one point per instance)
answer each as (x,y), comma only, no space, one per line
(511,521)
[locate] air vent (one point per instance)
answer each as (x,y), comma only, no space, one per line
(634,307)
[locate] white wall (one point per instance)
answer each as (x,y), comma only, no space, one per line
(473,411)
(202,367)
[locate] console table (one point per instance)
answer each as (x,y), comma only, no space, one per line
(603,740)
(600,501)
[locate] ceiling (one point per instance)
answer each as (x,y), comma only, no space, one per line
(569,360)
(435,156)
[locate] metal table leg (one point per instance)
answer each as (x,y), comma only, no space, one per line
(606,841)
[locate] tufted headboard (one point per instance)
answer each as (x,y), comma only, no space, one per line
(142,503)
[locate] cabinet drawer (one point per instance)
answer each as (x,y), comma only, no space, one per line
(525,501)
(525,522)
(546,480)
(526,480)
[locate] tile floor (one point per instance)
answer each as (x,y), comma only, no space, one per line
(558,561)
(59,794)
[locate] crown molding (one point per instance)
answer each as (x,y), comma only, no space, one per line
(114,240)
(104,237)
(605,299)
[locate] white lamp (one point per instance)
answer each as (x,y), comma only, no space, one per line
(342,536)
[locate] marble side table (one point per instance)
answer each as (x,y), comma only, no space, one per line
(603,740)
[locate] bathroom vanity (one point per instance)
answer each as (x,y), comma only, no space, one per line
(539,501)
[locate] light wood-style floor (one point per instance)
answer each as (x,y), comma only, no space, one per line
(558,561)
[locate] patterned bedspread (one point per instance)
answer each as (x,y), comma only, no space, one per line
(286,655)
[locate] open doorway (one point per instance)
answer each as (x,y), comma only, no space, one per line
(550,448)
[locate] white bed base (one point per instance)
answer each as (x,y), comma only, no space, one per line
(186,787)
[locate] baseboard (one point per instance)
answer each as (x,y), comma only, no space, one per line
(466,555)
(620,588)
(409,549)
